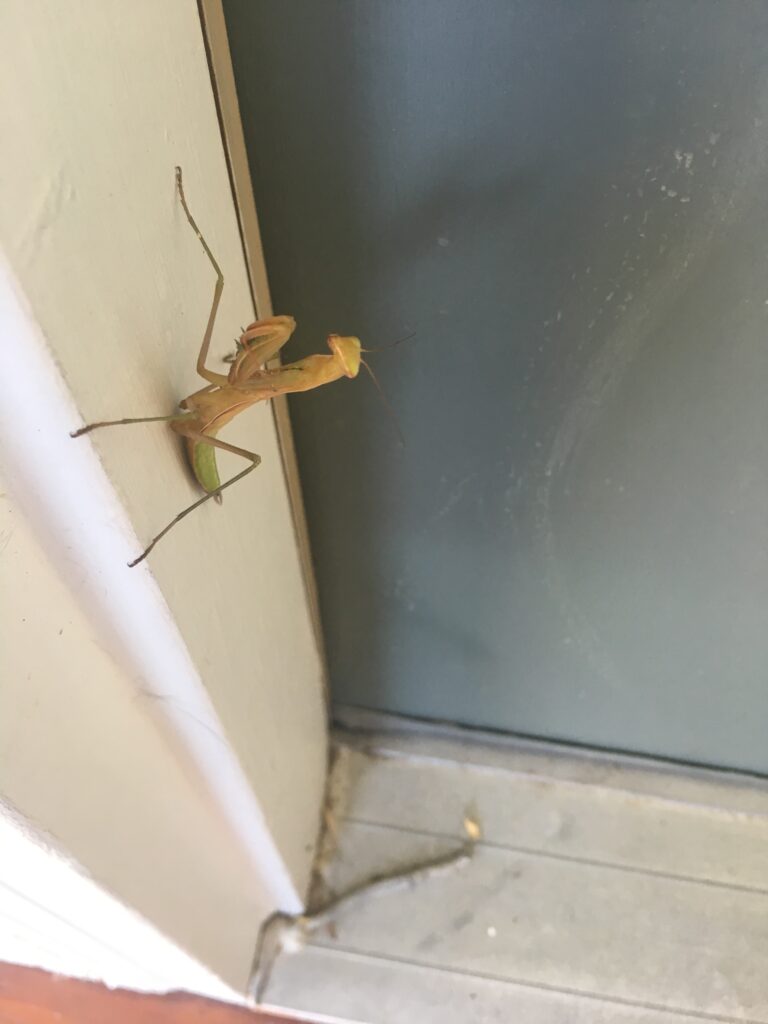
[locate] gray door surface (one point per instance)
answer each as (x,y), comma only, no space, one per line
(566,201)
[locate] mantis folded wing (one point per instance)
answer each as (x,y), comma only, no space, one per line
(203,413)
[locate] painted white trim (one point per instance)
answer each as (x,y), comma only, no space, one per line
(52,916)
(68,499)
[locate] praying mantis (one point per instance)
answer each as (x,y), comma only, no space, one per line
(202,414)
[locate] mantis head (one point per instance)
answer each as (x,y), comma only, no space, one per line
(347,352)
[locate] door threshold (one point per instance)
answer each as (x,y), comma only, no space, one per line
(603,887)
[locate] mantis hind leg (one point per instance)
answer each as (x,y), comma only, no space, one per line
(196,435)
(205,373)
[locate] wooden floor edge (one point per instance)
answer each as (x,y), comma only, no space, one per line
(30,995)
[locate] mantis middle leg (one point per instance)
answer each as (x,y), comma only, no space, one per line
(118,423)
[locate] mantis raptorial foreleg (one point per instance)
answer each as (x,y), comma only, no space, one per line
(252,353)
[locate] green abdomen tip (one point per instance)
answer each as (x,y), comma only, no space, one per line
(203,459)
